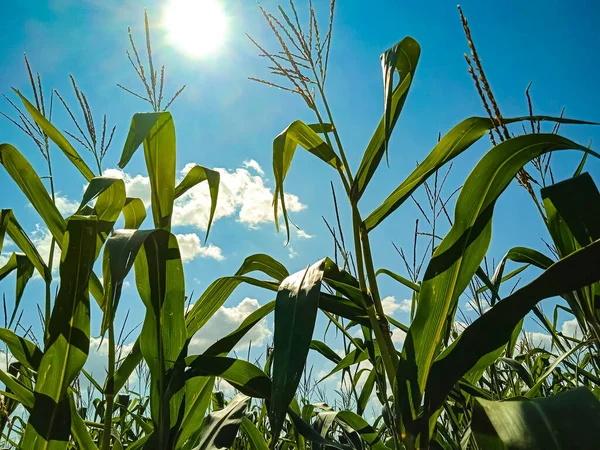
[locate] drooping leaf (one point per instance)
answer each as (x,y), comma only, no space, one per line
(296,309)
(134,213)
(25,351)
(461,252)
(24,268)
(97,186)
(157,132)
(578,202)
(30,184)
(197,175)
(57,137)
(284,147)
(560,422)
(403,58)
(494,328)
(10,225)
(68,339)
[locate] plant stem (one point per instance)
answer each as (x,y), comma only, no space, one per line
(109,390)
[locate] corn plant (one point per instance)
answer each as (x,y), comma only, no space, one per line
(441,389)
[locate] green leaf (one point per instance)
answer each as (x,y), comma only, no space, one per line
(68,340)
(157,132)
(208,304)
(354,357)
(400,279)
(402,57)
(24,267)
(577,200)
(542,378)
(160,282)
(284,147)
(243,376)
(196,175)
(560,422)
(456,141)
(494,328)
(198,393)
(80,432)
(265,264)
(30,184)
(134,213)
(353,422)
(296,309)
(461,252)
(325,350)
(57,137)
(255,437)
(25,351)
(10,225)
(220,428)
(97,186)
(224,345)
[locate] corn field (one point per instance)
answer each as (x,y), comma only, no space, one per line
(449,385)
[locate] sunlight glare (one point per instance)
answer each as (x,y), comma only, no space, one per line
(197,27)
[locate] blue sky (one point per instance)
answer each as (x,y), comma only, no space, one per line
(224,120)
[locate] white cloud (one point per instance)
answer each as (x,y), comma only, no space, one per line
(390,306)
(66,206)
(191,248)
(241,193)
(291,252)
(252,164)
(537,339)
(571,328)
(398,336)
(135,186)
(227,319)
(303,235)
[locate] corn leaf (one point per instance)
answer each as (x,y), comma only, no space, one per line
(296,309)
(403,58)
(494,328)
(284,147)
(459,255)
(220,428)
(560,422)
(134,213)
(30,184)
(157,132)
(197,175)
(57,137)
(24,268)
(456,141)
(68,340)
(10,225)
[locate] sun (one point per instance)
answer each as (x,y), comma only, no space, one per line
(197,27)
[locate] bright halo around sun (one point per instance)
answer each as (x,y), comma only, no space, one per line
(197,27)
